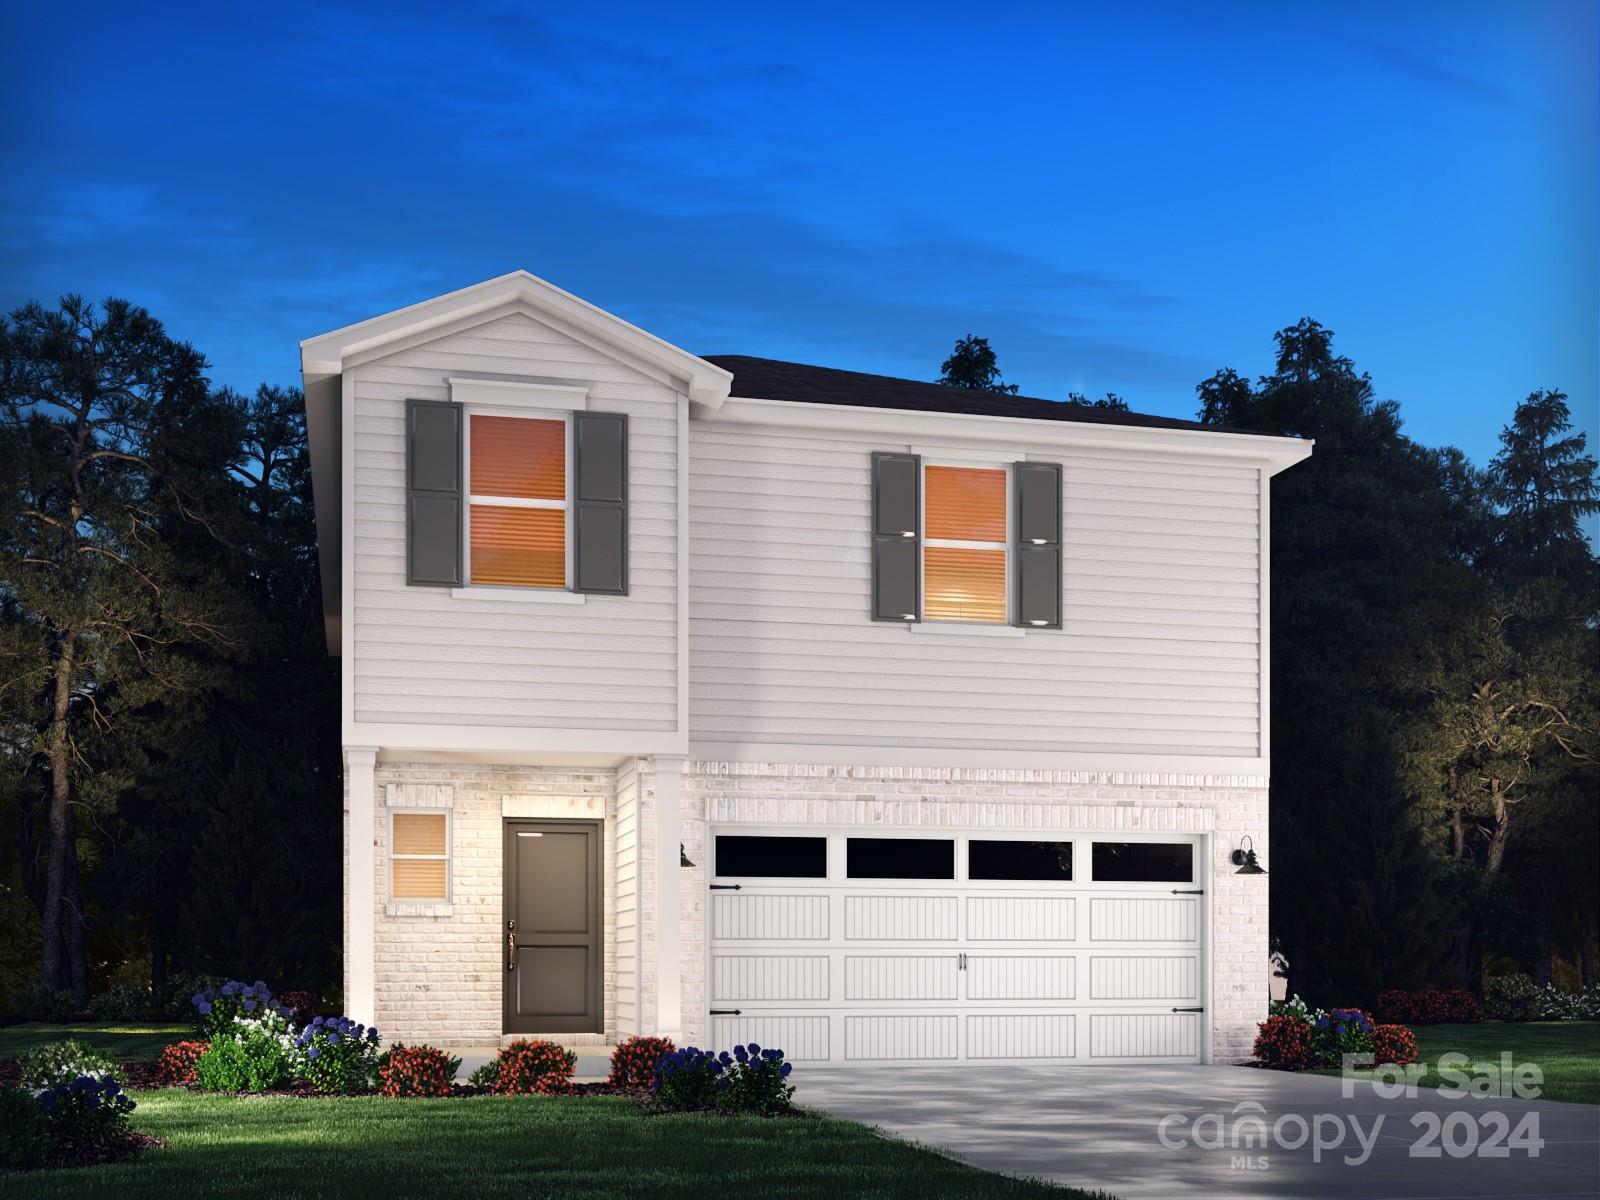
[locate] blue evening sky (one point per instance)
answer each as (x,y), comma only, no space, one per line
(1120,196)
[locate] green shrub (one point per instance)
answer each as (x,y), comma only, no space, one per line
(120,1002)
(485,1076)
(1339,1032)
(56,1061)
(89,1112)
(525,1068)
(1511,998)
(747,1080)
(416,1071)
(257,1055)
(338,1055)
(35,1002)
(24,1130)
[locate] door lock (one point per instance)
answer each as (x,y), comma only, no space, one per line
(511,945)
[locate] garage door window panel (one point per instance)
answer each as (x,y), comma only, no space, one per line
(1019,860)
(900,858)
(1143,862)
(761,857)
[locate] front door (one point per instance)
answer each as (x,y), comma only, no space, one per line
(551,934)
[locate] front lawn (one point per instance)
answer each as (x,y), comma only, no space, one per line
(1568,1052)
(523,1146)
(125,1041)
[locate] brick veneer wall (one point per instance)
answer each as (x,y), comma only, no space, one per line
(439,968)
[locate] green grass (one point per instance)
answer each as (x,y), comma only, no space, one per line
(1568,1052)
(126,1041)
(523,1146)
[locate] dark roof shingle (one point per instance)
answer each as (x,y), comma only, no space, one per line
(774,379)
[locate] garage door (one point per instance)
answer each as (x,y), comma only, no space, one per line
(851,946)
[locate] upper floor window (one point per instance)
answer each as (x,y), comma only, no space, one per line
(517,512)
(966,546)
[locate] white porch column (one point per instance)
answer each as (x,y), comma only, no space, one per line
(668,898)
(360,984)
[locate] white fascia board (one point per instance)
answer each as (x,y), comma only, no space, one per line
(328,352)
(911,426)
(1257,770)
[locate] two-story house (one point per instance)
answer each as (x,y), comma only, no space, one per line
(735,699)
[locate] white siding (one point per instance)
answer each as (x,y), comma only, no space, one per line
(424,657)
(1161,638)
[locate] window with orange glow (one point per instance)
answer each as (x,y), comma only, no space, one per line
(419,856)
(964,544)
(517,520)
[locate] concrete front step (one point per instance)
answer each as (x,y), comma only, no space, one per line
(594,1062)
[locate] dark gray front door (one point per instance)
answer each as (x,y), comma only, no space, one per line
(551,936)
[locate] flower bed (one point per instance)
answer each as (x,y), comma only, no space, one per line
(1295,1037)
(76,1121)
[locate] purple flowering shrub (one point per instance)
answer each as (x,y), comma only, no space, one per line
(746,1080)
(1341,1031)
(338,1055)
(85,1113)
(217,1008)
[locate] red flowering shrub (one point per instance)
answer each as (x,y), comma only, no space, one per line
(302,1004)
(415,1071)
(524,1068)
(176,1062)
(1428,1007)
(633,1062)
(1393,1044)
(1285,1043)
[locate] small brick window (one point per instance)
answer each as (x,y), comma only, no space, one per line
(419,857)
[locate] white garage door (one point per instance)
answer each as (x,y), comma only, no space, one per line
(872,946)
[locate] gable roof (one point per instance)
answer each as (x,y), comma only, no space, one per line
(327,354)
(774,379)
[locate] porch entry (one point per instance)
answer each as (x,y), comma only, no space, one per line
(551,934)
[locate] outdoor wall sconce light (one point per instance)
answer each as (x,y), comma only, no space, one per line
(1245,859)
(683,859)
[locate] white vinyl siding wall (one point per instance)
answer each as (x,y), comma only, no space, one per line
(1158,654)
(423,656)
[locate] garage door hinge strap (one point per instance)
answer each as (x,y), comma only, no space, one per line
(725,1012)
(726,887)
(1188,891)
(1188,1010)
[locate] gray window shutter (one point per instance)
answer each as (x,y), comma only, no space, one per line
(896,537)
(600,503)
(433,493)
(1038,544)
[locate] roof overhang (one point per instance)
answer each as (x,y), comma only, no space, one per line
(1272,454)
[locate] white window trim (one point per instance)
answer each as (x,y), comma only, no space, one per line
(982,628)
(448,856)
(508,591)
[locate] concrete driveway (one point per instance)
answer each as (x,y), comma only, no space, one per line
(1105,1127)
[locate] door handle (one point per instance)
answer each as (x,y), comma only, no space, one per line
(511,945)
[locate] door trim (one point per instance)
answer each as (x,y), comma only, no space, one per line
(510,1024)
